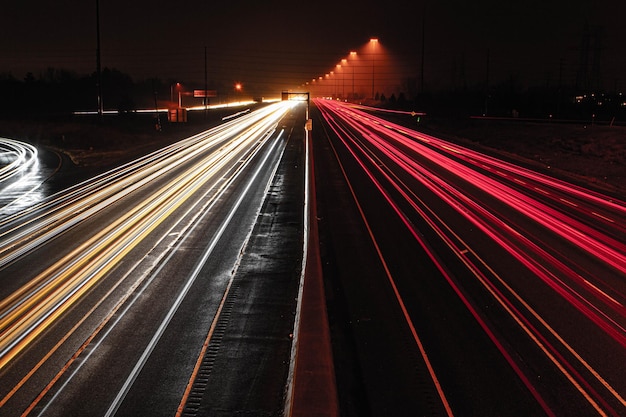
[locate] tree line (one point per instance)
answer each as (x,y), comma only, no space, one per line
(60,91)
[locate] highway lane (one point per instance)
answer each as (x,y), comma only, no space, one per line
(96,278)
(495,290)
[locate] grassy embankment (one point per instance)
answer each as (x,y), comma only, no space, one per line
(593,155)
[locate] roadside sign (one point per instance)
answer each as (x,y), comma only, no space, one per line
(204,93)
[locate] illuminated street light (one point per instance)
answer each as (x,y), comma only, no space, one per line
(343,64)
(328,91)
(353,56)
(338,68)
(373,42)
(176,86)
(238,89)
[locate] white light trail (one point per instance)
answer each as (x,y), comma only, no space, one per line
(20,176)
(191,164)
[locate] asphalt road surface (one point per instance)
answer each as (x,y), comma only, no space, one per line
(456,283)
(460,284)
(157,288)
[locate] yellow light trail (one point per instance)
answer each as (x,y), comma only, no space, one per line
(34,307)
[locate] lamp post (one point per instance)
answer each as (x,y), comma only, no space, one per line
(373,42)
(328,89)
(343,64)
(177,86)
(353,55)
(98,62)
(238,89)
(338,70)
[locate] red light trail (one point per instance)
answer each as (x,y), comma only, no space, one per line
(538,220)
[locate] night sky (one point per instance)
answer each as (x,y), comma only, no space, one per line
(274,45)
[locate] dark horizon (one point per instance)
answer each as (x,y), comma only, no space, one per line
(281,45)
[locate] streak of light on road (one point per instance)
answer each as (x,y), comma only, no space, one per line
(15,158)
(28,312)
(20,176)
(537,209)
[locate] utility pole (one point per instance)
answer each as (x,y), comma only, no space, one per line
(98,65)
(487,83)
(156,107)
(206,87)
(560,89)
(423,43)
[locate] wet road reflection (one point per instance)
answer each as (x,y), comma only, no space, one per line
(22,177)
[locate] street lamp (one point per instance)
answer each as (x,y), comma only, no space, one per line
(343,64)
(373,42)
(238,89)
(177,86)
(338,68)
(353,55)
